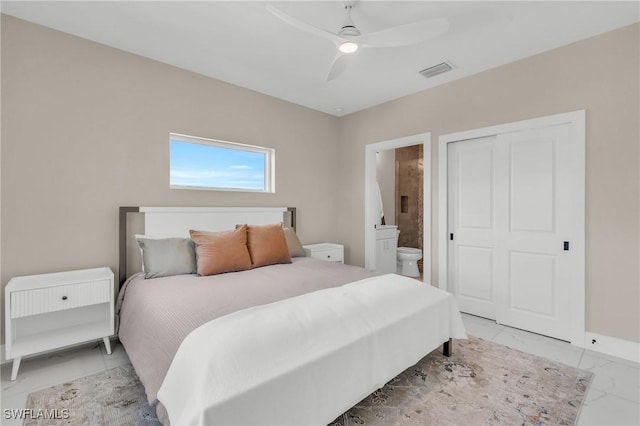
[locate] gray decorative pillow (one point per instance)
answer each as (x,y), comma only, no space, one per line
(295,248)
(167,256)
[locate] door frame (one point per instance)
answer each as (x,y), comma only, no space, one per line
(576,121)
(370,164)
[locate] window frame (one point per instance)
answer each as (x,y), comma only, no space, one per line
(269,162)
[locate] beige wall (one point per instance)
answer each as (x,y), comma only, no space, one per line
(85,129)
(599,75)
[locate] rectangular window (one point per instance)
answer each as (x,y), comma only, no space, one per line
(199,163)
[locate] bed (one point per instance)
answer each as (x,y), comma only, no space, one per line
(268,345)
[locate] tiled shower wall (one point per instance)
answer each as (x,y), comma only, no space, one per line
(409,196)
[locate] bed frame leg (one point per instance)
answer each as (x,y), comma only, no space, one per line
(446,347)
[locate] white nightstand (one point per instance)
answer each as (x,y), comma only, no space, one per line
(50,311)
(325,251)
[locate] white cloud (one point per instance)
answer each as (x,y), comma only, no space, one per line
(241,178)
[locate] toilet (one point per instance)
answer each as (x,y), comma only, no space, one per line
(407,263)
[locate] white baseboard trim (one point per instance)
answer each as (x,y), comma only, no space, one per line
(612,346)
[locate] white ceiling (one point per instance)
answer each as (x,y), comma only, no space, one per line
(242,43)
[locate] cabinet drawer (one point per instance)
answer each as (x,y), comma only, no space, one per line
(58,298)
(330,255)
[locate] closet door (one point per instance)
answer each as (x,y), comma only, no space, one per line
(534,209)
(511,202)
(472,225)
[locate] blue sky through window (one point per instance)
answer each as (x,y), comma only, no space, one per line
(200,165)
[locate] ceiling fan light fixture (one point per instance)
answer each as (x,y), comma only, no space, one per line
(348,46)
(349,31)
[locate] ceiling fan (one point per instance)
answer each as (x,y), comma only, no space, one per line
(348,38)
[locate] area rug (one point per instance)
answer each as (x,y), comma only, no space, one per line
(482,383)
(109,398)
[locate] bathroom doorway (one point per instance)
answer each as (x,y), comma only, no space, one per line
(408,194)
(407,162)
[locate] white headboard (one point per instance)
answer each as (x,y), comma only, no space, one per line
(177,221)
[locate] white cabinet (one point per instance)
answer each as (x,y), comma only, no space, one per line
(51,311)
(386,248)
(325,251)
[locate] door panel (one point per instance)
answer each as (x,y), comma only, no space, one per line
(471,215)
(474,190)
(533,285)
(532,185)
(475,280)
(474,272)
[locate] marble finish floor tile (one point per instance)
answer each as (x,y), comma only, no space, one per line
(612,358)
(536,344)
(613,377)
(601,408)
(12,402)
(53,368)
(481,327)
(117,357)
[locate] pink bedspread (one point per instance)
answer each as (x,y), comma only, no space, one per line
(155,315)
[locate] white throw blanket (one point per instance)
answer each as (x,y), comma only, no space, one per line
(306,360)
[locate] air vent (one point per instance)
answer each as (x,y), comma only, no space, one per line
(437,69)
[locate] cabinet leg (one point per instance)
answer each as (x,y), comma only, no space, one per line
(16,366)
(107,345)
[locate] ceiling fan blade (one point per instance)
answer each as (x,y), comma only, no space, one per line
(338,66)
(406,35)
(294,22)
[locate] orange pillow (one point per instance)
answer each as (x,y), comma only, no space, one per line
(218,252)
(267,244)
